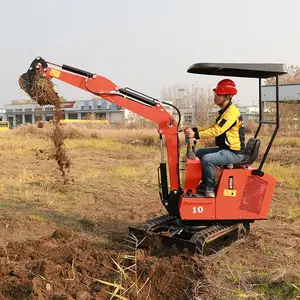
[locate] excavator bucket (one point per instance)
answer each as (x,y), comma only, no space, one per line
(168,231)
(37,85)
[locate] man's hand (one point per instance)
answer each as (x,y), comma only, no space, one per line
(189,133)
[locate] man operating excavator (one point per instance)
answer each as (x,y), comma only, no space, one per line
(228,131)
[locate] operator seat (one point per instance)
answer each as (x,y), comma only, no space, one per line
(251,154)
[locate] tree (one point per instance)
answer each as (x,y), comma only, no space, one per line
(194,102)
(292,76)
(62,99)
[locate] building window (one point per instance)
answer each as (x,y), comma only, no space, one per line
(28,109)
(49,118)
(9,110)
(19,109)
(73,116)
(101,116)
(28,118)
(90,107)
(49,108)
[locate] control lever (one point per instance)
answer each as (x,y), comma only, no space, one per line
(189,153)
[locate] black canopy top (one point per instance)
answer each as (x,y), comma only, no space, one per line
(251,70)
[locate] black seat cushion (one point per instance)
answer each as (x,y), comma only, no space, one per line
(251,153)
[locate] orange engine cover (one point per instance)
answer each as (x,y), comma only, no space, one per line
(239,195)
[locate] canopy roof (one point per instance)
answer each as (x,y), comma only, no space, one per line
(251,70)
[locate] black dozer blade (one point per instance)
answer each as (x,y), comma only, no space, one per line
(168,231)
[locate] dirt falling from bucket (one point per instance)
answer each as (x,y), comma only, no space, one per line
(57,137)
(41,90)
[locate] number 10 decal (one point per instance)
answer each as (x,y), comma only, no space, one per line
(198,210)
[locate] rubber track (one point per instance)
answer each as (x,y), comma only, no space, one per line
(200,239)
(157,221)
(207,235)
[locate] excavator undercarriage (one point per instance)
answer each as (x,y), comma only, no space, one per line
(169,231)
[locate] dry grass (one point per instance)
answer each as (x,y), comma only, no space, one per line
(115,184)
(147,137)
(288,177)
(287,142)
(127,285)
(20,144)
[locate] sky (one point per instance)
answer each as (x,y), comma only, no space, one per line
(146,45)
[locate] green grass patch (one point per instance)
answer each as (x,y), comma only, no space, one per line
(284,290)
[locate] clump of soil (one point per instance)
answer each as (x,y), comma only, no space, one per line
(41,89)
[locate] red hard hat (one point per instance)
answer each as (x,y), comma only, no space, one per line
(226,87)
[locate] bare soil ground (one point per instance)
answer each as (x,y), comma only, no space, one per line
(68,241)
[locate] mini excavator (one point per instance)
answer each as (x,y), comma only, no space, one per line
(193,222)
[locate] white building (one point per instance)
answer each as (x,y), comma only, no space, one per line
(2,115)
(28,111)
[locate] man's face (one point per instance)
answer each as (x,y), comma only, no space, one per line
(219,99)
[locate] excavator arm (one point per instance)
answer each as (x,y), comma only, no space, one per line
(127,98)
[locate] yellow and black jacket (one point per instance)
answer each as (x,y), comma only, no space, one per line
(227,129)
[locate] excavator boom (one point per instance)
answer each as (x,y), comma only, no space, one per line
(143,105)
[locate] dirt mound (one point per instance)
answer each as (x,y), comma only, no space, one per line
(67,266)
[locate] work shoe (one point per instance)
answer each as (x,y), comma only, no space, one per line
(201,188)
(210,193)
